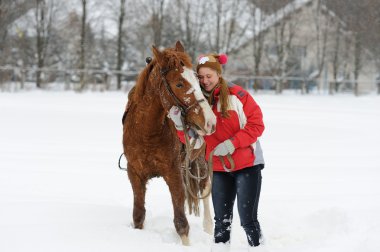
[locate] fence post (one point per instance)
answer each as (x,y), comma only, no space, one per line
(66,80)
(105,80)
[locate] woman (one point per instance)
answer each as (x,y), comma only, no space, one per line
(239,125)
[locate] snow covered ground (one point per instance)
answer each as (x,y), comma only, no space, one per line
(61,189)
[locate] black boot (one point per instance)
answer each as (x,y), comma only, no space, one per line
(253,232)
(222,232)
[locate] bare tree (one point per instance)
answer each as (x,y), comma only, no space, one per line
(43,15)
(191,15)
(236,27)
(157,20)
(357,61)
(120,51)
(322,24)
(228,25)
(278,52)
(341,46)
(10,11)
(374,37)
(336,59)
(359,18)
(219,8)
(358,12)
(258,33)
(82,57)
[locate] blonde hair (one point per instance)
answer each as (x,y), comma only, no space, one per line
(224,97)
(224,93)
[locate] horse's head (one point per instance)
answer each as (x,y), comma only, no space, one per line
(181,88)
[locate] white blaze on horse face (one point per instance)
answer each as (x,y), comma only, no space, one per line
(190,91)
(187,100)
(210,118)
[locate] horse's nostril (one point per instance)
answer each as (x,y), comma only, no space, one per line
(211,126)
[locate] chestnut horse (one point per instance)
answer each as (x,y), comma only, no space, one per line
(150,140)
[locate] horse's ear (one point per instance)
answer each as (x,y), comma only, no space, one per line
(157,54)
(179,47)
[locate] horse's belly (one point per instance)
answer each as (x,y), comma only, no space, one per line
(150,152)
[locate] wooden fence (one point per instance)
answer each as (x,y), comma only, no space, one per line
(15,78)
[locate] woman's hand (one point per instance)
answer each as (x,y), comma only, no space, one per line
(224,148)
(175,116)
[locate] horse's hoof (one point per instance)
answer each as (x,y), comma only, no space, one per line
(185,240)
(208,228)
(139,226)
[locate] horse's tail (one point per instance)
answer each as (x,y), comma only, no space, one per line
(199,169)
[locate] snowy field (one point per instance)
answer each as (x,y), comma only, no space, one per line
(61,189)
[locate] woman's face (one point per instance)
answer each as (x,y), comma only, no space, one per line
(208,78)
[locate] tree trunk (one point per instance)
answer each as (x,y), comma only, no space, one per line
(157,23)
(120,51)
(258,44)
(40,20)
(218,20)
(336,56)
(321,39)
(357,63)
(82,58)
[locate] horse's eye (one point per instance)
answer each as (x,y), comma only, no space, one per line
(179,85)
(182,64)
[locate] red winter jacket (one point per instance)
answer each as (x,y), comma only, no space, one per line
(243,127)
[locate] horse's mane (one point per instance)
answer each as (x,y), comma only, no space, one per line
(173,60)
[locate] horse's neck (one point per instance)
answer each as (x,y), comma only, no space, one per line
(154,115)
(150,110)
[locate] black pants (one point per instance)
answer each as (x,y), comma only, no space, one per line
(246,185)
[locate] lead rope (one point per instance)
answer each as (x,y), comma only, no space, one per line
(188,174)
(122,168)
(232,163)
(210,164)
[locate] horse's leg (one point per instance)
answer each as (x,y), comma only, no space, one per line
(175,184)
(207,220)
(139,189)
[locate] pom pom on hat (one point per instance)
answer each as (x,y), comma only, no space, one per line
(223,58)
